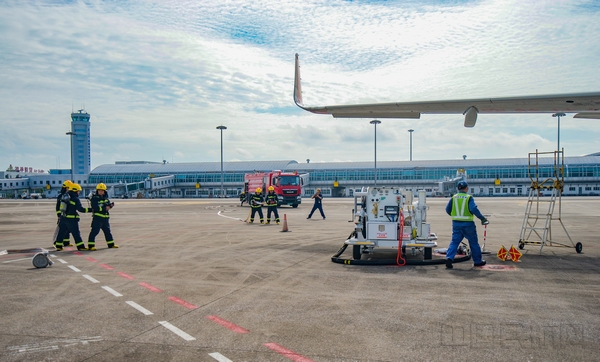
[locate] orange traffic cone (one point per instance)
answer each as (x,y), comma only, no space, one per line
(285,228)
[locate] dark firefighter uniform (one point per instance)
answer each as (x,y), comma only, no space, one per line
(271,201)
(65,188)
(69,221)
(256,202)
(100,218)
(242,198)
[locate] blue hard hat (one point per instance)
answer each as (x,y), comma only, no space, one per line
(462,185)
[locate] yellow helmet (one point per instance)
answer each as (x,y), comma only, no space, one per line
(101,186)
(67,184)
(258,190)
(271,188)
(75,187)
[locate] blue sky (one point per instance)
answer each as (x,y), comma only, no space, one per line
(157,77)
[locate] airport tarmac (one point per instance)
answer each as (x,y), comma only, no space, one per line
(190,281)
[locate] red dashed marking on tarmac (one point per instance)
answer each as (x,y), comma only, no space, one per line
(126,276)
(108,267)
(91,259)
(287,353)
(227,324)
(150,287)
(77,253)
(183,303)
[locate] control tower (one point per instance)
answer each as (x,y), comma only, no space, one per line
(80,145)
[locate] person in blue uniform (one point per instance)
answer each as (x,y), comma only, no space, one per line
(100,218)
(318,204)
(256,202)
(272,201)
(462,208)
(70,218)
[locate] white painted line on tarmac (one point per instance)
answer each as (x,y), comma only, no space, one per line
(37,349)
(10,261)
(90,278)
(75,269)
(51,345)
(139,307)
(219,357)
(229,217)
(112,291)
(177,331)
(62,261)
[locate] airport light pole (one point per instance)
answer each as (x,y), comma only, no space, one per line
(558,140)
(71,134)
(375,122)
(221,127)
(411,131)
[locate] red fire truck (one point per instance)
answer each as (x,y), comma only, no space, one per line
(288,186)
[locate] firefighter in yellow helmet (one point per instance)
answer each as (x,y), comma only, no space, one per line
(256,202)
(65,188)
(69,220)
(271,200)
(100,206)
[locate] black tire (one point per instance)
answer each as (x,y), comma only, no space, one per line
(295,206)
(356,252)
(521,245)
(578,248)
(40,260)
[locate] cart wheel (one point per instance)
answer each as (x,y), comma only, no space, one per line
(521,245)
(40,260)
(356,252)
(578,248)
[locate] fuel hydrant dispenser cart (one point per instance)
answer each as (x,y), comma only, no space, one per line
(389,218)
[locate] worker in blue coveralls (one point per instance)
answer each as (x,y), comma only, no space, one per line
(462,208)
(318,204)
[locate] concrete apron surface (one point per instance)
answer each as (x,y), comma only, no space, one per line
(190,281)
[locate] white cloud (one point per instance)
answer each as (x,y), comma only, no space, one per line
(157,78)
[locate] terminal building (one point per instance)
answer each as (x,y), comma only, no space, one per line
(486,177)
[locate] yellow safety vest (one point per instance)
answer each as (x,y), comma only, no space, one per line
(460,207)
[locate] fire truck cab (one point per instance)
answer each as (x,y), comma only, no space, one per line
(287,185)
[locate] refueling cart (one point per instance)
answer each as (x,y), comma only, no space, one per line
(391,218)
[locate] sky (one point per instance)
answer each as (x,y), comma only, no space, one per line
(158,77)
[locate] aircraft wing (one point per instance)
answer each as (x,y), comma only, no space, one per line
(585,105)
